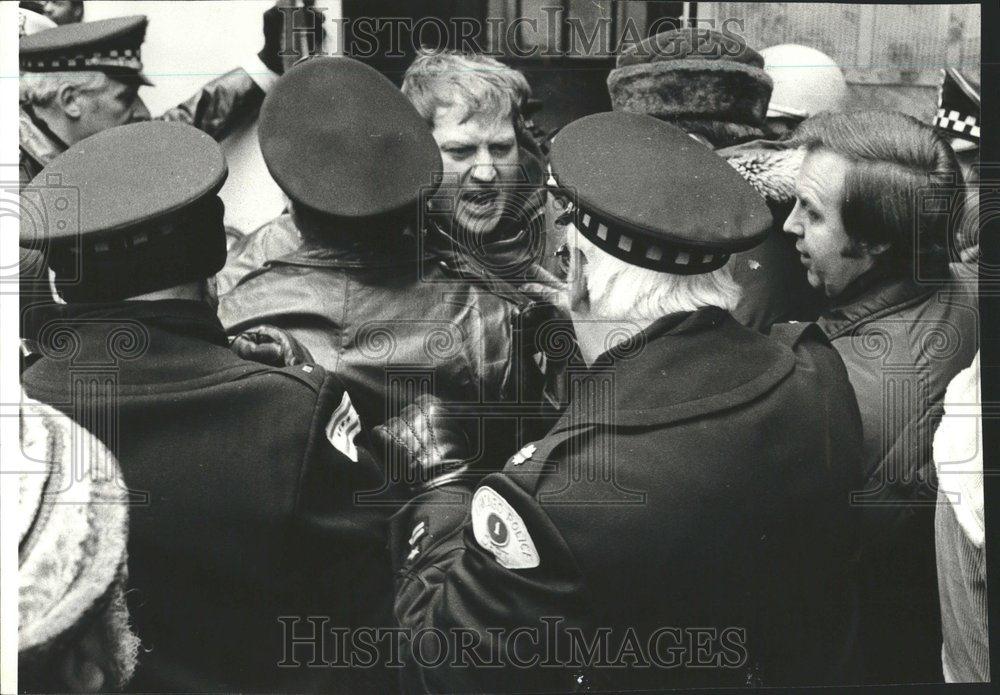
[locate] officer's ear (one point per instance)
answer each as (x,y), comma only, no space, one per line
(69,99)
(576,278)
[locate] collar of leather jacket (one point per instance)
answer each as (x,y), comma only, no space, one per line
(869,298)
(406,251)
(682,366)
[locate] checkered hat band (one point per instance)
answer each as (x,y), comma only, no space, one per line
(125,242)
(954,122)
(645,252)
(123,58)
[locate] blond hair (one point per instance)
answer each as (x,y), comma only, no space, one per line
(479,82)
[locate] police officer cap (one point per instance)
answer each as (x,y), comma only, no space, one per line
(339,138)
(130,210)
(959,105)
(109,45)
(652,196)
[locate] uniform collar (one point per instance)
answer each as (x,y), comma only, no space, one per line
(167,346)
(182,317)
(870,297)
(36,138)
(682,366)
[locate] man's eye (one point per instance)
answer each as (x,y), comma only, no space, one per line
(501,150)
(460,152)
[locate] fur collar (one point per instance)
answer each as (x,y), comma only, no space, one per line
(770,167)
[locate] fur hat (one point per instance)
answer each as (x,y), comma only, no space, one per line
(694,75)
(71,554)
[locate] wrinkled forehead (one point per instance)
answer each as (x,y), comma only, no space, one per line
(460,118)
(121,82)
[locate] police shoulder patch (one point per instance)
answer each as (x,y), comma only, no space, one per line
(499,529)
(344,426)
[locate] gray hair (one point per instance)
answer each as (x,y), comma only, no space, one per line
(41,88)
(618,290)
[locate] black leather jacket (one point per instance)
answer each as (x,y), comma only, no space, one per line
(392,322)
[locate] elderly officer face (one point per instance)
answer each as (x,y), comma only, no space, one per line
(478,151)
(77,105)
(831,258)
(114,103)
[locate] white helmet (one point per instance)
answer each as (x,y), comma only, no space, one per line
(806,81)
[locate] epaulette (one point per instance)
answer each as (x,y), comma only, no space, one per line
(31,352)
(530,464)
(310,375)
(791,334)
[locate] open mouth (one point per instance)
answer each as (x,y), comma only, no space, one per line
(481,202)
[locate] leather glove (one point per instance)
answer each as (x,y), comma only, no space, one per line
(271,346)
(424,447)
(275,33)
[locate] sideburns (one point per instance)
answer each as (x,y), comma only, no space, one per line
(854,249)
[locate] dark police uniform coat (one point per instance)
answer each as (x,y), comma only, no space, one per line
(702,493)
(243,496)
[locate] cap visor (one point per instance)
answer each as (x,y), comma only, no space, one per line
(776,111)
(959,144)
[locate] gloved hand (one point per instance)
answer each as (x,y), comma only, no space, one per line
(270,345)
(305,21)
(424,447)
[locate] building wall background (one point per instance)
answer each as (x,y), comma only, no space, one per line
(892,55)
(188,43)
